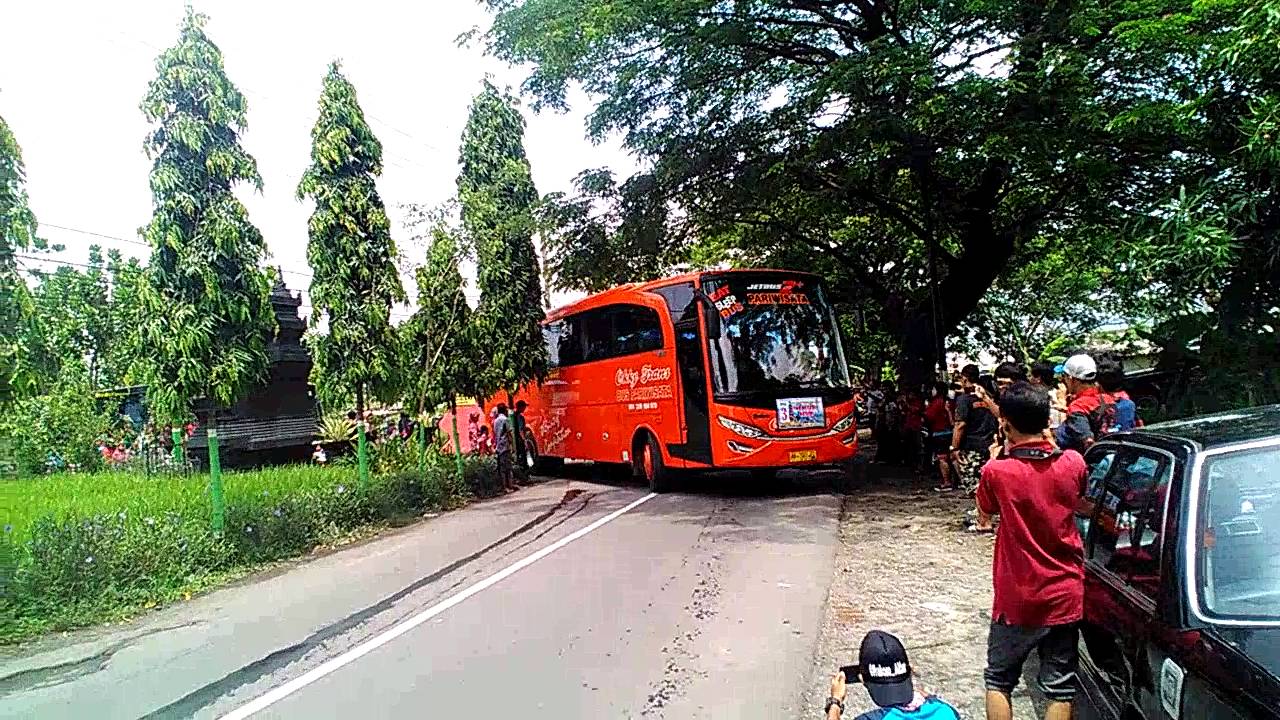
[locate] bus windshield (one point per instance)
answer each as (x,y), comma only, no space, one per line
(777,335)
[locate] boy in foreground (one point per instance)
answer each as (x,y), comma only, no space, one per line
(886,673)
(1038,566)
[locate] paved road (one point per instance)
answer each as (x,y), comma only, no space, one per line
(682,606)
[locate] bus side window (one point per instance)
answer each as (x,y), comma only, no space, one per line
(637,329)
(571,341)
(599,334)
(551,334)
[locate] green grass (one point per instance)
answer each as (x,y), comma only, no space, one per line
(80,495)
(77,549)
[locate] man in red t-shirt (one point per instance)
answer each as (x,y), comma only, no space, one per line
(1038,566)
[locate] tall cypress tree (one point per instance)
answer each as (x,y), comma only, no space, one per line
(498,198)
(206,315)
(17,233)
(437,337)
(351,251)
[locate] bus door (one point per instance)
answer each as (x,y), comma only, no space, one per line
(695,417)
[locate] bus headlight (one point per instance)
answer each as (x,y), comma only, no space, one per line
(844,424)
(742,429)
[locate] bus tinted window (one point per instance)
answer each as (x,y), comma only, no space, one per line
(599,334)
(679,299)
(551,333)
(571,341)
(602,334)
(636,330)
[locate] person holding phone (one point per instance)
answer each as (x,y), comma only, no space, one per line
(1037,568)
(883,668)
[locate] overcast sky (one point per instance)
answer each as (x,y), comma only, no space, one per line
(73,72)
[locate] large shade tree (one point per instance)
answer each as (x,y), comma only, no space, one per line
(85,321)
(1206,262)
(883,142)
(350,251)
(206,315)
(499,203)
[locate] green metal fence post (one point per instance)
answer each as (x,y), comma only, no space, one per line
(362,451)
(177,447)
(215,483)
(457,449)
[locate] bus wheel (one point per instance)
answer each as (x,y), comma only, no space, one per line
(649,465)
(548,465)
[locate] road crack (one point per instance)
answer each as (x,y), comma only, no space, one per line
(202,697)
(71,670)
(678,671)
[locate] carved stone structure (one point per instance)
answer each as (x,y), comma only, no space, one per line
(276,422)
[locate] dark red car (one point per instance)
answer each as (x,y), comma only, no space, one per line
(1181,523)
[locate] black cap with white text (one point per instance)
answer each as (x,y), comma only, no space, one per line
(885,669)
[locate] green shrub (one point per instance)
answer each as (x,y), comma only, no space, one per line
(65,423)
(87,547)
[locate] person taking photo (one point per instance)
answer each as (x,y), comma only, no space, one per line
(1037,569)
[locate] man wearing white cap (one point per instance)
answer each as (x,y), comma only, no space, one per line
(1076,432)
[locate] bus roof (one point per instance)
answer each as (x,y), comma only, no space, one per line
(610,296)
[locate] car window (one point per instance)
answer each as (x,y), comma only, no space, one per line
(1239,534)
(1099,460)
(1127,531)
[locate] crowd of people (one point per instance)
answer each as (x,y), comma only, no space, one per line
(504,436)
(1013,440)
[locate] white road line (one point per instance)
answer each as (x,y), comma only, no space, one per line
(279,693)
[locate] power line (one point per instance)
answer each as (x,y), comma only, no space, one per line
(91,233)
(95,234)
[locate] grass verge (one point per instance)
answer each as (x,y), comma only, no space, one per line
(79,549)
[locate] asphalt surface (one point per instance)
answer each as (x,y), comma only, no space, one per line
(687,605)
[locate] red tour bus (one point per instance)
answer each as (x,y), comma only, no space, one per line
(728,369)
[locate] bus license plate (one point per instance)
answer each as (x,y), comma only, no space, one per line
(804,456)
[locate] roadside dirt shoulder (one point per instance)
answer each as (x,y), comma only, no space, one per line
(904,565)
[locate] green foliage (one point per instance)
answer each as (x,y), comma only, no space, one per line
(607,235)
(205,314)
(499,203)
(350,250)
(1206,259)
(87,547)
(63,425)
(865,136)
(17,234)
(1053,294)
(441,360)
(84,322)
(335,428)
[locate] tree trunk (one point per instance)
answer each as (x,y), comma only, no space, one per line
(968,278)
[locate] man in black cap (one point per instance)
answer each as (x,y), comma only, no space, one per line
(885,671)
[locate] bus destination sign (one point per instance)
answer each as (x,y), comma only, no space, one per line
(800,413)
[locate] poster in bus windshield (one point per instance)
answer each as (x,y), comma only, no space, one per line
(786,292)
(800,413)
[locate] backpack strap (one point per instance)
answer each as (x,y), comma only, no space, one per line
(1028,453)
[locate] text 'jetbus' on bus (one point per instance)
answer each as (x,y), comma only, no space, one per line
(732,369)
